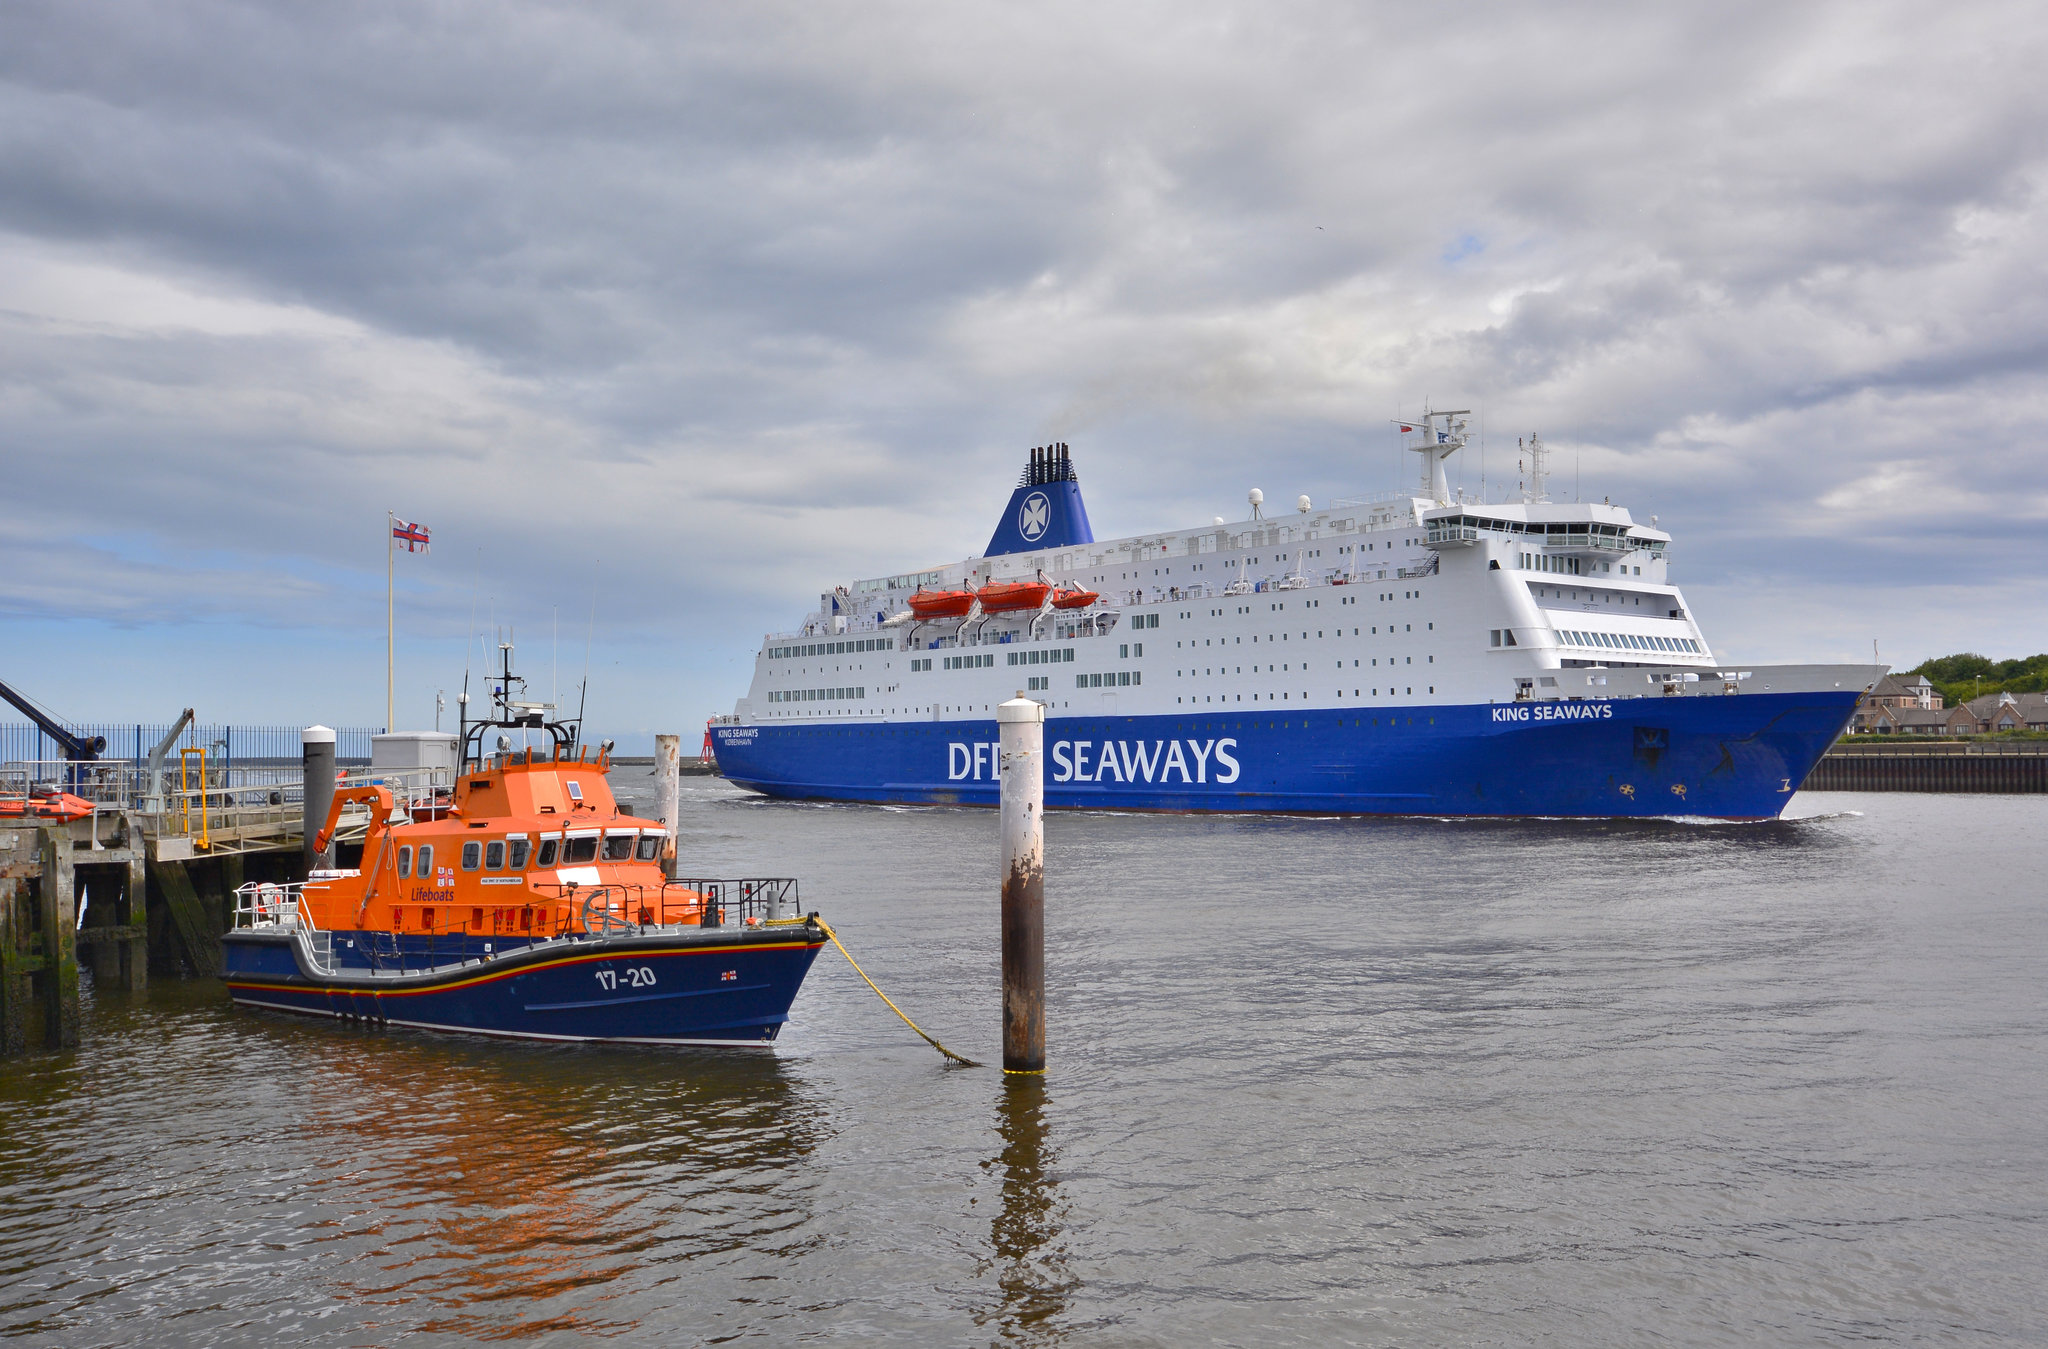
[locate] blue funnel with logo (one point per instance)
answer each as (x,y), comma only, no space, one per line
(1046,509)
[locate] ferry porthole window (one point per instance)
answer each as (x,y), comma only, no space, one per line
(404,862)
(494,855)
(472,855)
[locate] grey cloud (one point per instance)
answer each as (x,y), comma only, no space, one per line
(756,299)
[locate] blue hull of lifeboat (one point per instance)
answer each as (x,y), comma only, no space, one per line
(714,986)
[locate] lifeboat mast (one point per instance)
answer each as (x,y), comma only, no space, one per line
(512,714)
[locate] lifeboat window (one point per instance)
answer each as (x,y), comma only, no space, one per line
(404,862)
(548,848)
(494,856)
(426,871)
(618,848)
(579,850)
(520,847)
(472,855)
(650,844)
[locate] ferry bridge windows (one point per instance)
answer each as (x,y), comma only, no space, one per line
(494,855)
(576,850)
(472,855)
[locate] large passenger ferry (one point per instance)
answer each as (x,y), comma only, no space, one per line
(1416,653)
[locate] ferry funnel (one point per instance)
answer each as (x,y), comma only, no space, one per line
(1046,510)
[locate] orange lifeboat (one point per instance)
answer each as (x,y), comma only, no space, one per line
(47,806)
(1074,599)
(1002,596)
(941,603)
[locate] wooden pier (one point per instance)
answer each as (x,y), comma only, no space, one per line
(156,890)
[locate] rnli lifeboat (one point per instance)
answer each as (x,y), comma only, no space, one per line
(1004,596)
(1074,599)
(526,903)
(941,603)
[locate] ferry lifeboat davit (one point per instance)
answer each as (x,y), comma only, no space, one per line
(1003,596)
(941,603)
(530,904)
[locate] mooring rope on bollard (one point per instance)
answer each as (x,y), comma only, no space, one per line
(827,928)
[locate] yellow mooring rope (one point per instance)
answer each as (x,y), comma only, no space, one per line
(827,927)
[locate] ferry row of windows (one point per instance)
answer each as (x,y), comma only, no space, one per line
(819,695)
(1144,621)
(984,661)
(1046,656)
(1356,693)
(832,648)
(511,854)
(1115,679)
(1624,641)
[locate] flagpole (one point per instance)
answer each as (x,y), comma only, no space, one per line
(389,666)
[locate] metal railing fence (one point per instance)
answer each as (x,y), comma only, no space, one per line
(131,742)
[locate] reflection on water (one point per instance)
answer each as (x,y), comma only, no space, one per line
(474,1174)
(1030,1263)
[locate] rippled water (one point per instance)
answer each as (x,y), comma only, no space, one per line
(1313,1082)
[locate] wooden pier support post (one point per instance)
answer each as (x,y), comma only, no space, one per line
(1022,724)
(57,916)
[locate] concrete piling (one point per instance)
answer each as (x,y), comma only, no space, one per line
(316,744)
(668,792)
(1022,776)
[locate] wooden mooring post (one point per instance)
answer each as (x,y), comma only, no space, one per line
(1022,770)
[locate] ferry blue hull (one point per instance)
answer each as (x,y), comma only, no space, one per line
(1737,757)
(714,989)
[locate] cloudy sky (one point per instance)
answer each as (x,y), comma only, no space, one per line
(666,317)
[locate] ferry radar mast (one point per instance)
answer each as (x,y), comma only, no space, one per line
(1536,487)
(1439,443)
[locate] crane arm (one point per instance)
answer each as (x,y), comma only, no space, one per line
(379,800)
(75,747)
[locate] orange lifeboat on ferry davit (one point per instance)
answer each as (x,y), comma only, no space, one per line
(1074,599)
(941,603)
(1003,596)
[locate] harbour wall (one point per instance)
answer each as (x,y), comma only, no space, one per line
(2009,766)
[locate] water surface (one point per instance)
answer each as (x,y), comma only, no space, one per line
(1312,1082)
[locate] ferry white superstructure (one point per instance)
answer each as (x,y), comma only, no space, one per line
(1393,654)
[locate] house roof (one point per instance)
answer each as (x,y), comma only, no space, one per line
(2033,706)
